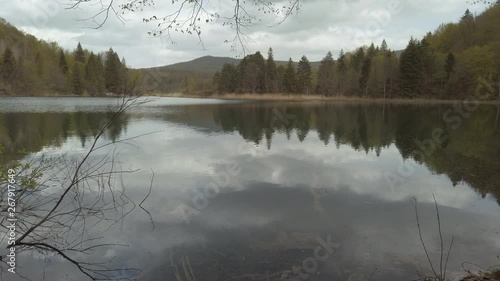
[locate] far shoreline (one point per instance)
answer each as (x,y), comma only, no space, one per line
(314,98)
(281,97)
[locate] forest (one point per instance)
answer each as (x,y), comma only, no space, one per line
(444,64)
(30,66)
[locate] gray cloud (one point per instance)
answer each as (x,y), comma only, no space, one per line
(319,26)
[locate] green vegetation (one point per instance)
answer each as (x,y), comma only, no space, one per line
(29,66)
(445,64)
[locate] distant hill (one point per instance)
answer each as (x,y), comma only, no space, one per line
(208,64)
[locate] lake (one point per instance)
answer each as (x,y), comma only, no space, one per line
(244,190)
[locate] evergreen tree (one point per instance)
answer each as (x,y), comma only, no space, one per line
(358,59)
(410,69)
(365,72)
(304,73)
(372,51)
(289,79)
(427,58)
(387,60)
(342,70)
(99,73)
(383,47)
(92,74)
(467,29)
(390,63)
(325,86)
(450,65)
(228,79)
(270,75)
(252,73)
(113,73)
(280,76)
(79,54)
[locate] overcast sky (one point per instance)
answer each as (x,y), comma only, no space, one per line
(320,26)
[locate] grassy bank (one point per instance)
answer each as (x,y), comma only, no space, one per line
(283,97)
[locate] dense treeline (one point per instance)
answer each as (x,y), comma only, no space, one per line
(444,64)
(29,66)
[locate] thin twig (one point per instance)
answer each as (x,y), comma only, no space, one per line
(415,203)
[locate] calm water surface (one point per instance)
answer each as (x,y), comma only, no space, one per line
(283,179)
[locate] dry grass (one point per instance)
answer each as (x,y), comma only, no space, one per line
(312,98)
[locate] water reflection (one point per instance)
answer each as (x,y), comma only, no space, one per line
(470,153)
(307,171)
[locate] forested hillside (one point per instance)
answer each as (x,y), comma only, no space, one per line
(30,66)
(449,63)
(195,76)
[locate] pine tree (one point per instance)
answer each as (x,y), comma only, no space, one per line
(383,47)
(228,81)
(358,59)
(113,73)
(372,51)
(325,76)
(259,65)
(304,73)
(450,65)
(91,75)
(427,58)
(342,70)
(365,72)
(410,69)
(79,54)
(271,75)
(252,69)
(101,79)
(289,79)
(467,28)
